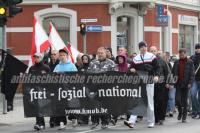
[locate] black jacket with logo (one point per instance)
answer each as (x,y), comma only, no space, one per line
(39,68)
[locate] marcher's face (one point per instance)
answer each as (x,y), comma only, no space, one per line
(143,49)
(197,50)
(37,59)
(85,60)
(121,51)
(62,56)
(182,55)
(108,53)
(153,51)
(54,56)
(121,60)
(101,54)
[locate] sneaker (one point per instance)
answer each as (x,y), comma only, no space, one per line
(184,121)
(39,127)
(94,125)
(113,122)
(151,125)
(130,125)
(104,126)
(194,116)
(62,126)
(184,118)
(167,114)
(171,114)
(74,122)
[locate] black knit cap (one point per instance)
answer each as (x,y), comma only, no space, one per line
(142,44)
(197,46)
(63,51)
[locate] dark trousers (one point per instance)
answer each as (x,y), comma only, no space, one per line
(104,119)
(181,100)
(40,121)
(54,120)
(62,119)
(160,101)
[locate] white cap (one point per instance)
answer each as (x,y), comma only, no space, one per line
(38,55)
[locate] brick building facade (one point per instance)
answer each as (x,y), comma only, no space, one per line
(124,22)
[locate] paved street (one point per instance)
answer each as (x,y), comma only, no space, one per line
(14,122)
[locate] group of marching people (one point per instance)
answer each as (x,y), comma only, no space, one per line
(162,97)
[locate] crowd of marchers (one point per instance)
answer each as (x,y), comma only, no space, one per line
(163,98)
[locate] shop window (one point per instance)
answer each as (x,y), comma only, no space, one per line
(186,38)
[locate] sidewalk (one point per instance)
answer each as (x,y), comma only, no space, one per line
(17,115)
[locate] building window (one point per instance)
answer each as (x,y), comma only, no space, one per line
(186,38)
(62,25)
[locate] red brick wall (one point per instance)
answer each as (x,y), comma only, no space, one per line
(25,19)
(152,39)
(175,43)
(176,12)
(150,18)
(99,11)
(21,42)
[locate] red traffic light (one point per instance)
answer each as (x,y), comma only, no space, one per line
(83,28)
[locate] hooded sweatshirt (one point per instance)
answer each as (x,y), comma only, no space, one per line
(122,67)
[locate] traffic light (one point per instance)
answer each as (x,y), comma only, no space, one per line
(3,9)
(83,28)
(13,8)
(3,13)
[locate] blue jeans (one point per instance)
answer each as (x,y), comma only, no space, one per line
(171,100)
(195,97)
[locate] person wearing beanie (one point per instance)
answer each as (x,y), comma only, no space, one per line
(145,64)
(196,84)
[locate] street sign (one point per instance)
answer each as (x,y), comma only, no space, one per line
(94,28)
(162,20)
(162,10)
(90,20)
(161,15)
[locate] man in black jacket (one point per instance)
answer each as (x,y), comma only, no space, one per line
(184,70)
(196,84)
(160,91)
(52,64)
(39,68)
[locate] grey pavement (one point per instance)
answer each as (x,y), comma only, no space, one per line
(14,122)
